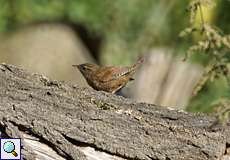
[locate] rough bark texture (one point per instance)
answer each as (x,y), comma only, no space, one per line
(67,117)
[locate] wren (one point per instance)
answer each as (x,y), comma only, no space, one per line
(108,78)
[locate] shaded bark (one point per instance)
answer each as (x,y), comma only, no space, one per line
(68,118)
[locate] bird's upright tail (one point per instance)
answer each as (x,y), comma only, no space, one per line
(131,69)
(140,60)
(136,65)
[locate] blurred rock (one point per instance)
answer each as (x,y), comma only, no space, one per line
(164,80)
(49,49)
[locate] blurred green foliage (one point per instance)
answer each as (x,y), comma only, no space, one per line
(223,16)
(128,28)
(216,76)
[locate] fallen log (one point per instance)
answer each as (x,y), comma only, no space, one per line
(57,120)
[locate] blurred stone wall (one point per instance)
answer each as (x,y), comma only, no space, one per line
(49,49)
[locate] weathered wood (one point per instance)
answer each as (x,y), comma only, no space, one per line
(70,119)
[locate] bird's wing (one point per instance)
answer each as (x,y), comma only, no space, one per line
(106,74)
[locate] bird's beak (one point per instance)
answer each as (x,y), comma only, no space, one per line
(75,65)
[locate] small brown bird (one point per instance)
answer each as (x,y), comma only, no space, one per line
(108,78)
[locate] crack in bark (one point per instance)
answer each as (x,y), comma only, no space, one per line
(205,154)
(83,144)
(227,146)
(169,118)
(6,67)
(152,158)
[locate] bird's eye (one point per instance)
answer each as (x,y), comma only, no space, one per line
(84,68)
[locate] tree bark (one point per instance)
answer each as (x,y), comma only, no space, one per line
(80,123)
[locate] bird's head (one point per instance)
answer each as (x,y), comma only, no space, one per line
(86,69)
